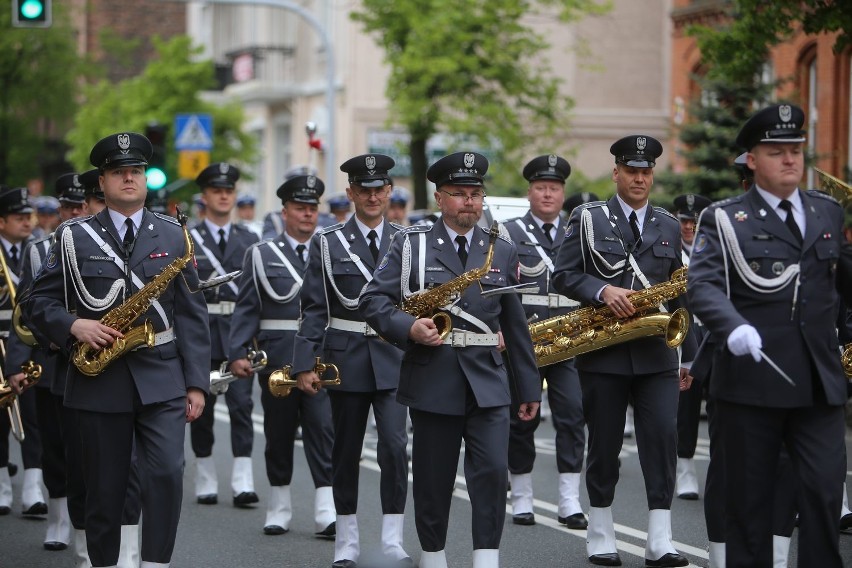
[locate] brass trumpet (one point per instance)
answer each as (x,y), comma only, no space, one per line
(280,382)
(219,380)
(8,398)
(25,334)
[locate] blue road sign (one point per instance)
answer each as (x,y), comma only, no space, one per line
(193,132)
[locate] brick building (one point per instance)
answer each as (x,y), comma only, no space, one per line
(815,77)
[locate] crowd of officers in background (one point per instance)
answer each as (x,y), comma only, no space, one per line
(305,290)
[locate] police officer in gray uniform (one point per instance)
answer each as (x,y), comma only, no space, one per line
(457,388)
(611,249)
(268,309)
(147,394)
(537,236)
(219,249)
(762,279)
(342,260)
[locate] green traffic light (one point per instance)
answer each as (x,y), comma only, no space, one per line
(156,178)
(32,9)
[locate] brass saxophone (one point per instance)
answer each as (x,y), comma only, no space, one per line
(428,302)
(846,359)
(25,335)
(587,329)
(836,188)
(90,361)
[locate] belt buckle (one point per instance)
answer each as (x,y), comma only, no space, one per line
(227,308)
(459,339)
(369,331)
(553,300)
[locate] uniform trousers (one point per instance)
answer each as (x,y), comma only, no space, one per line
(108,439)
(688,417)
(349,411)
(75,482)
(435,457)
(753,436)
(31,446)
(49,411)
(240,406)
(654,397)
(566,407)
(281,418)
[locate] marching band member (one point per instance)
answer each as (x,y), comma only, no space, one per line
(342,260)
(268,309)
(457,388)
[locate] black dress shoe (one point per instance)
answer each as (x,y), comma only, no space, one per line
(39,508)
(846,522)
(668,560)
(526,519)
(689,496)
(609,559)
(328,532)
(344,564)
(207,499)
(4,510)
(13,469)
(51,545)
(577,521)
(245,499)
(273,530)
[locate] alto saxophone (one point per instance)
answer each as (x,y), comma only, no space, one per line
(587,329)
(90,361)
(427,303)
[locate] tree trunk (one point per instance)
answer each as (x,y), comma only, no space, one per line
(417,151)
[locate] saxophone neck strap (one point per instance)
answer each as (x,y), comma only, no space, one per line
(217,266)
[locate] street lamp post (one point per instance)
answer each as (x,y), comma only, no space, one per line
(329,67)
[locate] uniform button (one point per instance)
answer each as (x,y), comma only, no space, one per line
(100,271)
(465,305)
(765,251)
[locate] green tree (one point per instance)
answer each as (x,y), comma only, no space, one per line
(169,85)
(471,71)
(39,73)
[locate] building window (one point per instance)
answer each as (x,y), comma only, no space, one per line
(808,86)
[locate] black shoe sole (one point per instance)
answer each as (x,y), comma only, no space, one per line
(55,546)
(36,509)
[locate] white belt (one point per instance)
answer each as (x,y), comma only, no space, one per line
(279,325)
(459,338)
(6,315)
(353,326)
(161,338)
(550,300)
(221,309)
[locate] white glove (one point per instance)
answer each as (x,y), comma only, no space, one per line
(745,340)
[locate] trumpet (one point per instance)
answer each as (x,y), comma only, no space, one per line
(219,380)
(23,333)
(280,382)
(8,398)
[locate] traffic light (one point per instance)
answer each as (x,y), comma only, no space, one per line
(31,13)
(156,172)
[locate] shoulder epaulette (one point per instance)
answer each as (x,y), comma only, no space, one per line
(43,238)
(590,204)
(74,221)
(822,195)
(728,201)
(167,218)
(396,226)
(503,233)
(330,229)
(664,211)
(416,229)
(240,227)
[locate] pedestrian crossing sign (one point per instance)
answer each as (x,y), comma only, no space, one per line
(193,132)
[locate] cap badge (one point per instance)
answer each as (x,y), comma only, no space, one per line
(123,142)
(785,112)
(223,168)
(740,216)
(551,161)
(370,162)
(75,182)
(640,143)
(311,182)
(469,160)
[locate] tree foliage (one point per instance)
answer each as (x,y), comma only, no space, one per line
(170,84)
(39,71)
(471,71)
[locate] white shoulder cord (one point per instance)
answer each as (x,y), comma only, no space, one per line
(587,230)
(260,274)
(217,266)
(405,272)
(539,268)
(348,303)
(96,304)
(36,257)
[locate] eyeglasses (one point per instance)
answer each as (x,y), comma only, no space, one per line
(473,197)
(367,192)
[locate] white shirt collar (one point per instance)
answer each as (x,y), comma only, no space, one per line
(627,210)
(452,234)
(774,201)
(294,243)
(365,230)
(8,246)
(213,228)
(118,220)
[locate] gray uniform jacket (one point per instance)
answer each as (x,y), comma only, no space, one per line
(159,373)
(331,289)
(430,376)
(269,292)
(237,242)
(797,340)
(582,269)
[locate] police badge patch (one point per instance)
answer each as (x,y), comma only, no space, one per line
(700,243)
(51,260)
(384,262)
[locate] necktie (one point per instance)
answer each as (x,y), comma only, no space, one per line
(462,241)
(374,248)
(547,227)
(222,241)
(790,221)
(13,254)
(634,225)
(300,250)
(127,242)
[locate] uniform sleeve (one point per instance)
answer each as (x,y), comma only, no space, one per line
(706,287)
(378,304)
(192,330)
(308,341)
(245,320)
(569,275)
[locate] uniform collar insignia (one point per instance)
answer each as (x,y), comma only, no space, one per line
(740,216)
(481,243)
(440,241)
(150,226)
(762,212)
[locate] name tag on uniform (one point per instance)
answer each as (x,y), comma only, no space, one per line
(107,258)
(434,269)
(345,259)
